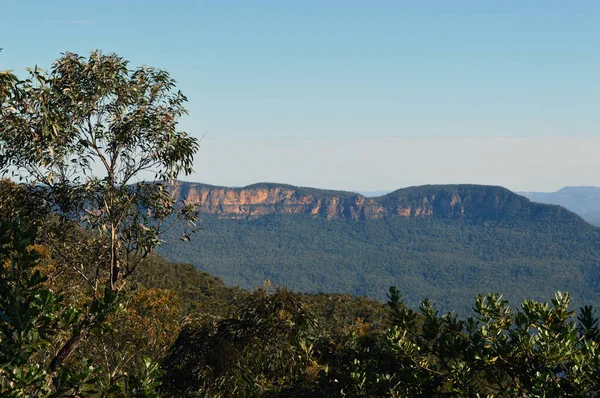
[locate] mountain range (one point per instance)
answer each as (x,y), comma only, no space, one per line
(444,242)
(446,201)
(584,201)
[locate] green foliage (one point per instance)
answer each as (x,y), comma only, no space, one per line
(271,344)
(32,317)
(34,320)
(535,351)
(95,109)
(56,128)
(142,383)
(449,260)
(198,292)
(264,350)
(336,313)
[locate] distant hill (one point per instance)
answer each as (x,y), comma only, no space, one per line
(584,201)
(445,242)
(370,194)
(463,201)
(592,217)
(205,295)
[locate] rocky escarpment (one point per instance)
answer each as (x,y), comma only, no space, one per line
(470,201)
(262,199)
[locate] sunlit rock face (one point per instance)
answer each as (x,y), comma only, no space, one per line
(424,201)
(263,199)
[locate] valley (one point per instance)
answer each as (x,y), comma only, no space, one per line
(446,242)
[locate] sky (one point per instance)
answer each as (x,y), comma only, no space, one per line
(354,95)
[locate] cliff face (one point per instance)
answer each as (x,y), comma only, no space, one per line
(261,199)
(266,199)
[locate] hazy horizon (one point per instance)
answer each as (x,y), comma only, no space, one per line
(401,162)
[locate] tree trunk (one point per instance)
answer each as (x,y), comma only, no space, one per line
(115,267)
(67,349)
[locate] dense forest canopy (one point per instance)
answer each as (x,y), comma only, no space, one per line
(449,260)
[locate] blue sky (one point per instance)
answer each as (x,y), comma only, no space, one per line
(361,95)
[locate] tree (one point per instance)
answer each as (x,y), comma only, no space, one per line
(84,137)
(144,329)
(535,351)
(32,316)
(265,350)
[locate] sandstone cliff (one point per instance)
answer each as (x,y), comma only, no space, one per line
(262,199)
(477,201)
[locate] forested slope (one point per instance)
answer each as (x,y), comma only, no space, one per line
(498,242)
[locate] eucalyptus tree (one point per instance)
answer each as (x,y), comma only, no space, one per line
(85,136)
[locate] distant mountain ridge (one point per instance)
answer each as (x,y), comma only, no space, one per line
(445,242)
(462,200)
(583,200)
